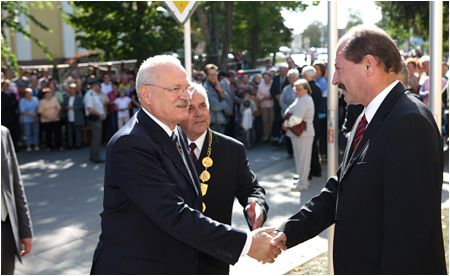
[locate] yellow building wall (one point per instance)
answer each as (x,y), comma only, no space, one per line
(50,18)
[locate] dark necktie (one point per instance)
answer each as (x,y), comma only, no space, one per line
(194,157)
(360,132)
(175,139)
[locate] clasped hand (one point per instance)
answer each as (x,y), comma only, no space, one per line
(267,244)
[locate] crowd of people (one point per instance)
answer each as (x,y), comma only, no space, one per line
(38,110)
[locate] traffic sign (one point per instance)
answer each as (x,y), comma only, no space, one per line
(181,10)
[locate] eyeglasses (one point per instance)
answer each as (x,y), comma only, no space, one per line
(176,90)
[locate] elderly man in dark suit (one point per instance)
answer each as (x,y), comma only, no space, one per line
(226,177)
(386,198)
(152,221)
(17,231)
(279,82)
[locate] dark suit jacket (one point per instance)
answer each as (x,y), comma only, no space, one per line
(386,199)
(151,223)
(275,89)
(14,192)
(78,107)
(231,177)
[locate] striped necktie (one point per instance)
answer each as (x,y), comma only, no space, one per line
(360,132)
(175,139)
(177,142)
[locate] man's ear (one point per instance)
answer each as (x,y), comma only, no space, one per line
(370,63)
(145,93)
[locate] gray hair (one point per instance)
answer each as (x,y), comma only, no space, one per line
(148,72)
(201,90)
(309,72)
(293,72)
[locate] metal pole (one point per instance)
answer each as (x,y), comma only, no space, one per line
(187,48)
(332,115)
(436,18)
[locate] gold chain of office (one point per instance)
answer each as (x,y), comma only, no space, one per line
(206,162)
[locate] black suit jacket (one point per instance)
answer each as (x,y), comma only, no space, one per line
(231,177)
(151,223)
(275,89)
(386,199)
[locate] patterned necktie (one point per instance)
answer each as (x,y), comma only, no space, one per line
(360,131)
(193,146)
(4,210)
(177,142)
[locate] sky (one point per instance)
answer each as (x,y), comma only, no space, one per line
(300,20)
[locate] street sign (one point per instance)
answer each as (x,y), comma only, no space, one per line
(181,10)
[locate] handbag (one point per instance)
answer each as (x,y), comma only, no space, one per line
(297,129)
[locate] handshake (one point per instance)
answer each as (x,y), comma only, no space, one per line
(267,244)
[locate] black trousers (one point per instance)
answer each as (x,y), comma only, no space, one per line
(8,248)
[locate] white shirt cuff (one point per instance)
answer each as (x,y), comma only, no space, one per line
(248,244)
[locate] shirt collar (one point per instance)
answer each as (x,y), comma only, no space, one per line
(199,142)
(373,106)
(161,124)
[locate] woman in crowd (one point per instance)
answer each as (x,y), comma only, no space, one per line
(49,109)
(28,107)
(286,99)
(266,102)
(302,109)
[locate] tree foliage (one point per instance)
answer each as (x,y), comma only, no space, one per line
(401,19)
(314,31)
(125,29)
(257,27)
(11,11)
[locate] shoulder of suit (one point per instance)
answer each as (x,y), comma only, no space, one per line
(227,141)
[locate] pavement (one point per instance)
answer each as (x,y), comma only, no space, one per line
(65,193)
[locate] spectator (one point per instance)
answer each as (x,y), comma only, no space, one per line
(254,109)
(287,98)
(49,108)
(243,84)
(34,85)
(10,112)
(302,109)
(309,73)
(74,107)
(322,83)
(247,123)
(113,125)
(106,85)
(219,108)
(95,113)
(135,104)
(278,84)
(266,102)
(413,76)
(123,106)
(232,100)
(28,107)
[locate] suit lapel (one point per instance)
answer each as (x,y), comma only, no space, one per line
(168,147)
(372,128)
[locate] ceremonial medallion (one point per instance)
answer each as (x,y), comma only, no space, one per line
(207,162)
(204,176)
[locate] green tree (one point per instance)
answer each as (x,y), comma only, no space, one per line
(11,10)
(354,19)
(125,29)
(256,26)
(314,32)
(402,19)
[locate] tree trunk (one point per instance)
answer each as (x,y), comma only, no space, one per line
(203,22)
(255,46)
(227,38)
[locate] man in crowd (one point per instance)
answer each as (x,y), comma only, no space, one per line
(386,206)
(278,83)
(220,109)
(152,221)
(227,177)
(95,114)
